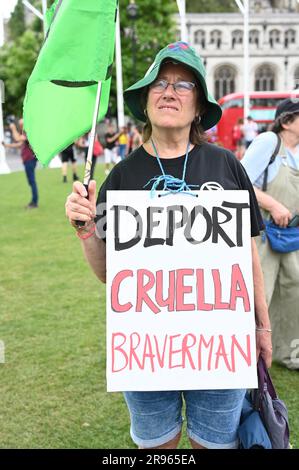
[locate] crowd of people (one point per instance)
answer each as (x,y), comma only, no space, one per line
(114,145)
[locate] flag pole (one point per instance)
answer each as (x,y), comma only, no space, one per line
(182,12)
(44,9)
(92,138)
(86,179)
(119,77)
(243,6)
(33,9)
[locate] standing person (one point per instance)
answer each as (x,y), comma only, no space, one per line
(130,132)
(250,130)
(68,155)
(28,158)
(110,151)
(123,142)
(212,135)
(173,101)
(238,138)
(136,138)
(280,201)
(83,144)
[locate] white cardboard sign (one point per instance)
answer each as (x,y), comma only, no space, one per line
(180,305)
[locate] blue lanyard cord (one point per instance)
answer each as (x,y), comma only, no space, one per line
(172,185)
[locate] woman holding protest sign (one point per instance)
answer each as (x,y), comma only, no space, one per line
(173,101)
(272,163)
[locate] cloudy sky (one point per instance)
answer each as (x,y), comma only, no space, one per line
(7,6)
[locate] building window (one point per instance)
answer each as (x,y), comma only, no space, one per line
(254,37)
(237,37)
(289,37)
(296,79)
(216,38)
(264,78)
(200,38)
(224,81)
(274,37)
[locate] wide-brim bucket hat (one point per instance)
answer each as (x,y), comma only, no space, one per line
(178,52)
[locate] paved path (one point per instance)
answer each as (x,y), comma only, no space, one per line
(14,160)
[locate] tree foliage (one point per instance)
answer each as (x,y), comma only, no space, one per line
(16,24)
(17,60)
(154,28)
(211,6)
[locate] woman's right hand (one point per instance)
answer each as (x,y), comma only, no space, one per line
(78,207)
(280,214)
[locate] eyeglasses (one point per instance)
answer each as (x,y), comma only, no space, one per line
(182,87)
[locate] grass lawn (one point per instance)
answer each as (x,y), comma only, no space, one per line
(52,385)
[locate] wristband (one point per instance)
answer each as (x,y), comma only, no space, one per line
(86,235)
(263,329)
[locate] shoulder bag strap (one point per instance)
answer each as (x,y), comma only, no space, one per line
(273,156)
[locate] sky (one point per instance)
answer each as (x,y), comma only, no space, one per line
(7,7)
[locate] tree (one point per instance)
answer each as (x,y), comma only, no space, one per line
(37,24)
(16,24)
(17,60)
(155,28)
(212,6)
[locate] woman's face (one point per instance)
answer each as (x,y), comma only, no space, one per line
(167,108)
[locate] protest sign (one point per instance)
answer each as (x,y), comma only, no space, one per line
(180,306)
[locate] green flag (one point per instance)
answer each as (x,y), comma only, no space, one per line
(61,91)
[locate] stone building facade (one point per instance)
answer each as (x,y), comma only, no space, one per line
(273,47)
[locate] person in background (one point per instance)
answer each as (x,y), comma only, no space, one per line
(68,155)
(136,138)
(110,150)
(130,132)
(212,135)
(83,144)
(279,202)
(238,138)
(123,143)
(250,131)
(173,101)
(29,160)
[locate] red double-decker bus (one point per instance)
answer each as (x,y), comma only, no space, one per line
(262,110)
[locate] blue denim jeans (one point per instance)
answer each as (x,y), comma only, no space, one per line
(30,173)
(122,150)
(212,416)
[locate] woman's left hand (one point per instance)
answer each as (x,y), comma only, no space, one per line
(264,346)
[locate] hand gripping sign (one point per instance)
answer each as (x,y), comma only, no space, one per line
(180,307)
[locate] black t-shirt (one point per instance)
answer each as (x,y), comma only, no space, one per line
(109,145)
(206,163)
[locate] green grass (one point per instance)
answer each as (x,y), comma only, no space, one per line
(52,385)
